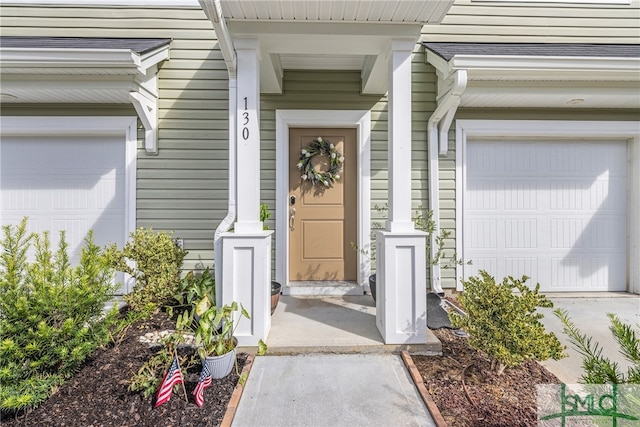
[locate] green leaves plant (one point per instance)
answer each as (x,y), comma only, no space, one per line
(51,314)
(157,259)
(597,368)
(503,323)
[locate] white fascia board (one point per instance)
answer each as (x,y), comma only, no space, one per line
(81,58)
(599,68)
(137,3)
(54,58)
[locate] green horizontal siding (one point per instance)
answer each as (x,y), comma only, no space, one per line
(184,188)
(543,22)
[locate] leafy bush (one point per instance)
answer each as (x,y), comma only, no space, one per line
(51,315)
(599,369)
(154,260)
(504,324)
(193,287)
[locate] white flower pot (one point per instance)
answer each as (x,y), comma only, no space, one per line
(221,366)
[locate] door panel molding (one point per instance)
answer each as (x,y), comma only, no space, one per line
(361,121)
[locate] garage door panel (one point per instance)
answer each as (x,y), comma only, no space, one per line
(73,184)
(558,215)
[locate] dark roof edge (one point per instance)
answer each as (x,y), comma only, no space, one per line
(140,46)
(449,50)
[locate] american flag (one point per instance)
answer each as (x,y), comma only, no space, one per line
(171,378)
(203,382)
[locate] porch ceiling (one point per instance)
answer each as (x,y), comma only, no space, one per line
(503,75)
(407,11)
(324,34)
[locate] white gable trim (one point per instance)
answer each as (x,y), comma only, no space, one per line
(629,130)
(359,119)
(133,79)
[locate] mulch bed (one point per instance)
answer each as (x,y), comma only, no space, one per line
(97,395)
(505,400)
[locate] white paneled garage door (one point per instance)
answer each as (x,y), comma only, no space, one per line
(71,183)
(554,211)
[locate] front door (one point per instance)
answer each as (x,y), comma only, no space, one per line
(323,219)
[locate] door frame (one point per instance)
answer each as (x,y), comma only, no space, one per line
(361,121)
(553,129)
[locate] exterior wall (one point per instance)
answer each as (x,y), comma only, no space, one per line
(340,90)
(184,187)
(537,22)
(525,22)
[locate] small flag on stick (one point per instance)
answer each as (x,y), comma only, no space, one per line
(203,382)
(171,378)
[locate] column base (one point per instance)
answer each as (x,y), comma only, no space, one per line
(401,280)
(246,278)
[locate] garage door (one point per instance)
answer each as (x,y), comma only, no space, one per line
(71,183)
(555,211)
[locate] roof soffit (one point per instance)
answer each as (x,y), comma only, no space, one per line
(76,74)
(340,34)
(503,81)
(333,46)
(404,11)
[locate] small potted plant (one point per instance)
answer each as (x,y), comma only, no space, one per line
(213,328)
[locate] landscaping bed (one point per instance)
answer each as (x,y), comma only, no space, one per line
(97,395)
(505,400)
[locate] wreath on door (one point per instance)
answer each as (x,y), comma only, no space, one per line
(320,147)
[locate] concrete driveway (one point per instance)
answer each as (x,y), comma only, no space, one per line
(589,313)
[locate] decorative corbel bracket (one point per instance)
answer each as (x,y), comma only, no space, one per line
(147,109)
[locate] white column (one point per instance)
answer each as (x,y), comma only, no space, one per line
(399,140)
(244,255)
(248,137)
(401,303)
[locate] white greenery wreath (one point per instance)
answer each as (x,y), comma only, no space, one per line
(321,147)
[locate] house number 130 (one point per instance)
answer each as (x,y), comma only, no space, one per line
(245,115)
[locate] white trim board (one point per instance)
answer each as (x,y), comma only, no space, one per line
(567,129)
(359,119)
(144,3)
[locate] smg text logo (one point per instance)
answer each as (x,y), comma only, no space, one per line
(616,405)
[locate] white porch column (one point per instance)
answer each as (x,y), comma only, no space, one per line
(401,305)
(248,137)
(246,252)
(399,139)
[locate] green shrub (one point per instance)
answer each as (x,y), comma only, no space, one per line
(599,369)
(193,287)
(51,314)
(504,324)
(154,260)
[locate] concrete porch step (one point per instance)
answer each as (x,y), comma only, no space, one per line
(322,288)
(333,324)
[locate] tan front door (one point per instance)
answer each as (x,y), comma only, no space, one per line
(323,220)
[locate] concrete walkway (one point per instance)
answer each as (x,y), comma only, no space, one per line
(316,380)
(330,390)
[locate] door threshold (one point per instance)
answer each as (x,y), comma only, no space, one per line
(323,288)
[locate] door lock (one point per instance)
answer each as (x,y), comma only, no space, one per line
(292,200)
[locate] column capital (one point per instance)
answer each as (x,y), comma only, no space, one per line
(246,43)
(404,44)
